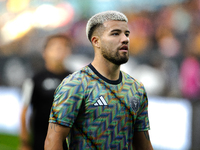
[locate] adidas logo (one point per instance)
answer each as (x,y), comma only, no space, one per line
(101,102)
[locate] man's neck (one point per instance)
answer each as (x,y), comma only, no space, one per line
(107,69)
(56,69)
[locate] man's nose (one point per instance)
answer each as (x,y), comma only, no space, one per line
(125,39)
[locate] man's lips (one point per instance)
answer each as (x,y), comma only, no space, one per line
(124,48)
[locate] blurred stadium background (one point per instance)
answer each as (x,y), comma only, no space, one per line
(164,36)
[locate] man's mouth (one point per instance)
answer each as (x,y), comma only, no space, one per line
(124,48)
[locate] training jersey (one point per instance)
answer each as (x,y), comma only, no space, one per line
(102,113)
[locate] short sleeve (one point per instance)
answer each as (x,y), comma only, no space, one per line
(142,120)
(67,103)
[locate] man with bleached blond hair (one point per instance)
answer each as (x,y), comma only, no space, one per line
(101,107)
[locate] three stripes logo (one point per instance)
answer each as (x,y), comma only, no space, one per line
(101,102)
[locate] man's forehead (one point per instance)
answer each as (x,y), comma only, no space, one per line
(112,24)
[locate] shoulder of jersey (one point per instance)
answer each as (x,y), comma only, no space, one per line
(129,77)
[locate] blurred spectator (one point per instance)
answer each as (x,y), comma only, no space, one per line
(38,92)
(190,78)
(190,70)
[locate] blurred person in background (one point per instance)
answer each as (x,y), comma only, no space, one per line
(190,78)
(38,92)
(190,69)
(101,107)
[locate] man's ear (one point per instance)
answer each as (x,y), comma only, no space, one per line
(95,41)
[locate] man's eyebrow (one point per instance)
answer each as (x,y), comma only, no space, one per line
(115,30)
(118,30)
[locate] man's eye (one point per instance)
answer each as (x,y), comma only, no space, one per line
(115,34)
(127,35)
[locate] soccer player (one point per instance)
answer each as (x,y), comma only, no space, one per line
(101,107)
(39,91)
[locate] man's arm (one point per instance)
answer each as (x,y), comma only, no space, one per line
(24,134)
(27,93)
(55,136)
(141,141)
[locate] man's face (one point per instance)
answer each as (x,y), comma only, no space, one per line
(57,50)
(115,42)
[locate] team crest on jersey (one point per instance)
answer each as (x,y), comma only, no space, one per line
(134,103)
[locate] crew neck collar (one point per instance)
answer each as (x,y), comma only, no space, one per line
(104,78)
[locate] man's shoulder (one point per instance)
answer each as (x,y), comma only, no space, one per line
(79,73)
(131,79)
(78,77)
(76,81)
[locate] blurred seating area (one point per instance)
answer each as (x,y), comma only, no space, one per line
(163,41)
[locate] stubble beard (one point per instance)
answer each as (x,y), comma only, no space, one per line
(115,57)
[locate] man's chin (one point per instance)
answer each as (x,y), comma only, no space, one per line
(123,61)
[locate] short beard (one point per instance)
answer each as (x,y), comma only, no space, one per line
(115,59)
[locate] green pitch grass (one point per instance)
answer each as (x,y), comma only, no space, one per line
(9,142)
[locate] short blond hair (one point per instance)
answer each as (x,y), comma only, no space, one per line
(98,20)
